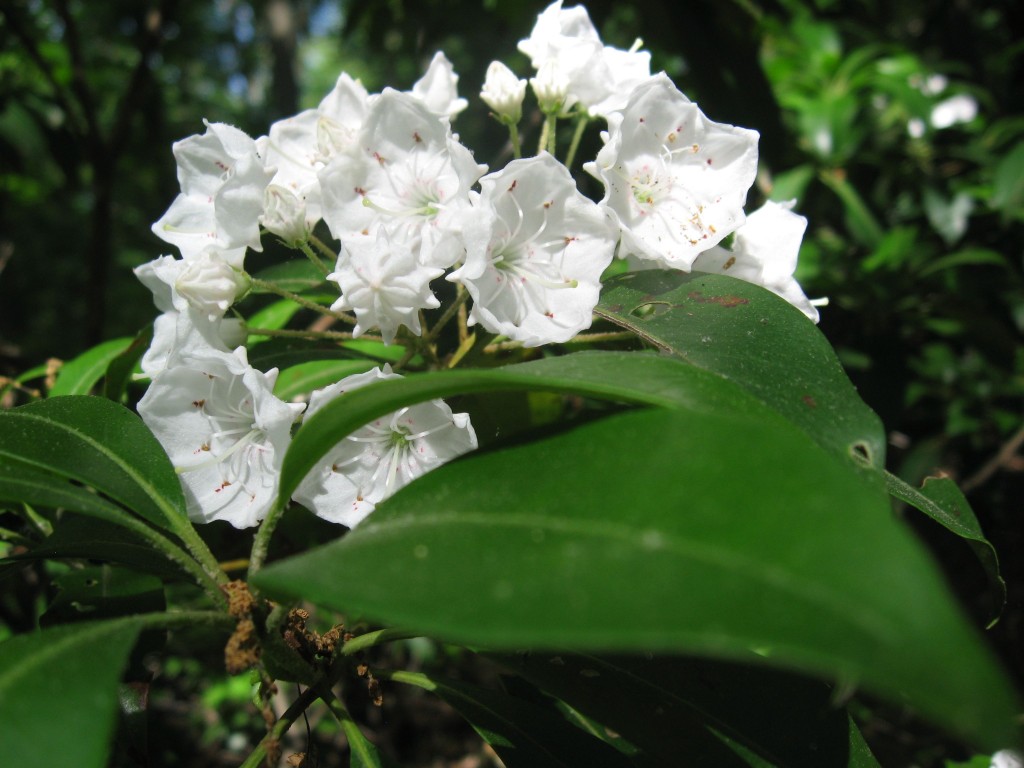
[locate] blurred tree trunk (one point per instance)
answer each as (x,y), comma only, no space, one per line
(283,24)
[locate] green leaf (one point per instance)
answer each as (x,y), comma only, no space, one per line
(751,337)
(720,713)
(99,443)
(942,501)
(79,376)
(297,275)
(122,367)
(59,693)
(102,592)
(657,530)
(303,378)
(273,316)
(362,753)
(1008,185)
(630,377)
(523,734)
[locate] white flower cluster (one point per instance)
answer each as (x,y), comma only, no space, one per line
(410,205)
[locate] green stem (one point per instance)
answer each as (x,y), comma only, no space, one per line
(865,227)
(409,678)
(321,246)
(302,301)
(324,269)
(377,637)
(293,713)
(357,743)
(295,334)
(197,548)
(461,296)
(513,136)
(549,134)
(581,125)
(261,541)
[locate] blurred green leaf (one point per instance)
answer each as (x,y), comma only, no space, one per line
(303,378)
(297,275)
(102,592)
(272,317)
(79,376)
(1008,192)
(523,734)
(122,367)
(661,530)
(66,675)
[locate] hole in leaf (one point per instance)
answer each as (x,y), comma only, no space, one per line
(90,582)
(861,452)
(650,309)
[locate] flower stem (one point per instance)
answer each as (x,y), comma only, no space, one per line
(547,141)
(324,269)
(378,637)
(281,726)
(327,252)
(261,541)
(581,124)
(294,334)
(461,295)
(513,137)
(302,301)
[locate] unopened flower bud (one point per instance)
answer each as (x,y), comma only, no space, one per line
(503,92)
(209,284)
(551,87)
(284,214)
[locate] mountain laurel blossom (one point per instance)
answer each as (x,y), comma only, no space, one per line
(675,181)
(535,251)
(224,431)
(222,179)
(371,464)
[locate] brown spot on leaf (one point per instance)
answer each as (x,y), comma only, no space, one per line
(809,401)
(724,301)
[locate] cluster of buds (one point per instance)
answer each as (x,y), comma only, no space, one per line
(409,206)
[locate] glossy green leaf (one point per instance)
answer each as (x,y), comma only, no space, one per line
(523,734)
(942,501)
(751,337)
(303,378)
(59,693)
(629,377)
(273,316)
(99,443)
(297,275)
(703,712)
(79,376)
(121,368)
(660,530)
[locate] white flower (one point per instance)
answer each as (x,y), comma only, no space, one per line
(180,334)
(535,251)
(204,282)
(383,284)
(408,174)
(299,146)
(438,88)
(961,108)
(765,252)
(597,76)
(224,431)
(551,87)
(374,462)
(222,179)
(1006,758)
(503,92)
(284,214)
(675,180)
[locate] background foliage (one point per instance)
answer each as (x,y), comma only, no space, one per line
(916,227)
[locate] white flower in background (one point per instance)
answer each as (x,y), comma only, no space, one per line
(535,251)
(675,180)
(438,88)
(765,252)
(298,147)
(374,462)
(407,174)
(1006,758)
(222,180)
(205,282)
(224,431)
(961,108)
(382,282)
(597,76)
(503,92)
